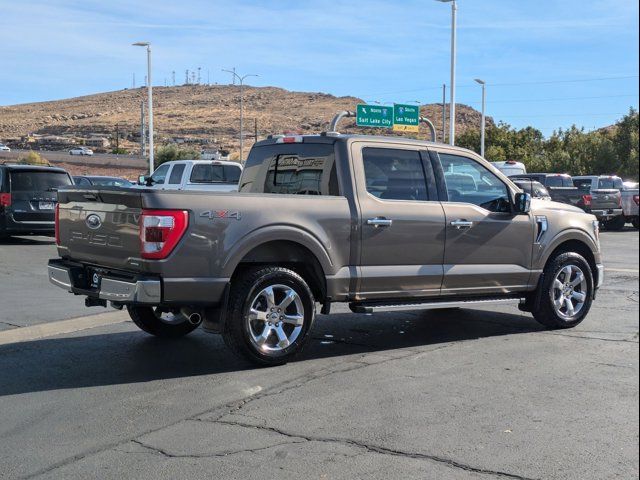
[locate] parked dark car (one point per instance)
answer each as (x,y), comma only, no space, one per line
(533,188)
(28,198)
(99,181)
(559,185)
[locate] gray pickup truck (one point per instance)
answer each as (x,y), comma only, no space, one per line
(381,223)
(603,198)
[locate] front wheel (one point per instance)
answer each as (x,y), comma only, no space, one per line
(567,291)
(161,323)
(271,310)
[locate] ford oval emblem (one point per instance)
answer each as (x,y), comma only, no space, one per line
(93,221)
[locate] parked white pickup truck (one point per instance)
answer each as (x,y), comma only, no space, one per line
(212,176)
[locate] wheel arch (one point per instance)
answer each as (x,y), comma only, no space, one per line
(308,261)
(575,245)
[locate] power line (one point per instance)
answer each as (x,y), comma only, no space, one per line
(557,99)
(575,114)
(541,82)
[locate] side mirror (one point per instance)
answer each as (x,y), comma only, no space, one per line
(145,180)
(522,202)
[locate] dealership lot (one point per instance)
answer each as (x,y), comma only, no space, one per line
(474,393)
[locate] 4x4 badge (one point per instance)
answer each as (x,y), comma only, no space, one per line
(213,214)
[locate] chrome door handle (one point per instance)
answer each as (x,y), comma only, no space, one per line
(461,224)
(380,222)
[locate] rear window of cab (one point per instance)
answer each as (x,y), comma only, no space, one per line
(37,181)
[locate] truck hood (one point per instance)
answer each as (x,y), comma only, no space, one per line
(538,205)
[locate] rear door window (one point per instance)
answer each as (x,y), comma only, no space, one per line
(554,181)
(204,173)
(176,174)
(394,174)
(38,181)
(231,173)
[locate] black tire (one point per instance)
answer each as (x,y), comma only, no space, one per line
(246,289)
(636,223)
(546,313)
(615,224)
(147,319)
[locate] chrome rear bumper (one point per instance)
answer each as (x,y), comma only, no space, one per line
(140,291)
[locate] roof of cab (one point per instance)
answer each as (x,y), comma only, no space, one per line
(32,168)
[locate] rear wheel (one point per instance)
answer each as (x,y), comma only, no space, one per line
(567,292)
(161,323)
(271,310)
(616,223)
(636,223)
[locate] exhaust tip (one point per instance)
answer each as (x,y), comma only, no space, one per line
(195,318)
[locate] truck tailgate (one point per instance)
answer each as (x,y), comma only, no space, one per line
(605,199)
(100,226)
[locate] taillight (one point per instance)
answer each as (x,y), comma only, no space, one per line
(636,199)
(586,199)
(160,231)
(5,199)
(57,223)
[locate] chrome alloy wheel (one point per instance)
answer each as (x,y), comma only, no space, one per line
(275,318)
(569,292)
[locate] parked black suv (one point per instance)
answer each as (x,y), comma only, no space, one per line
(28,198)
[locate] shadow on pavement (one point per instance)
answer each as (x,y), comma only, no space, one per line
(131,357)
(35,240)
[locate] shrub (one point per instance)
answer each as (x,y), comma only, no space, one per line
(120,151)
(169,153)
(33,158)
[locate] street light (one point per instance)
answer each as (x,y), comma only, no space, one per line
(150,100)
(241,80)
(452,104)
(483,83)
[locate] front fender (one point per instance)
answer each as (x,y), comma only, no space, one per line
(571,234)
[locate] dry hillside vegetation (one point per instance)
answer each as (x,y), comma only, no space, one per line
(199,112)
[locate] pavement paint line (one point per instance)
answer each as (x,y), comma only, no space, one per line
(621,270)
(35,332)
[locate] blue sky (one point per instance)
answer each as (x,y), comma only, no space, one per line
(547,63)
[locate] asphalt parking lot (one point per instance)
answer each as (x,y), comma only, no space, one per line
(461,394)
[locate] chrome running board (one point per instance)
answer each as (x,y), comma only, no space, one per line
(394,307)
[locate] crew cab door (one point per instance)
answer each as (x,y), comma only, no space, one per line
(488,248)
(401,222)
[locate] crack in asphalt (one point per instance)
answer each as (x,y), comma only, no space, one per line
(167,454)
(378,449)
(235,406)
(587,337)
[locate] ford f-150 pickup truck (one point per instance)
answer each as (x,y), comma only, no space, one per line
(381,223)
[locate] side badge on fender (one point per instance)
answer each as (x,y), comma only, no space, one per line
(214,214)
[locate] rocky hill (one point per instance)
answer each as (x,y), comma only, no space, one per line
(205,114)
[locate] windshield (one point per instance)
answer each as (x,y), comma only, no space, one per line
(38,181)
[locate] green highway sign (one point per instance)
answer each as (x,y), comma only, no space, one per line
(374,116)
(406,118)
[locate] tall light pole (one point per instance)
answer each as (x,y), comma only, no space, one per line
(482,126)
(241,80)
(452,105)
(150,100)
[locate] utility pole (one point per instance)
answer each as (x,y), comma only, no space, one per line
(133,82)
(208,82)
(255,130)
(173,77)
(482,125)
(186,77)
(143,143)
(452,85)
(117,138)
(199,82)
(444,112)
(241,80)
(149,82)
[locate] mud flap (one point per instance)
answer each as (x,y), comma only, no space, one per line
(216,317)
